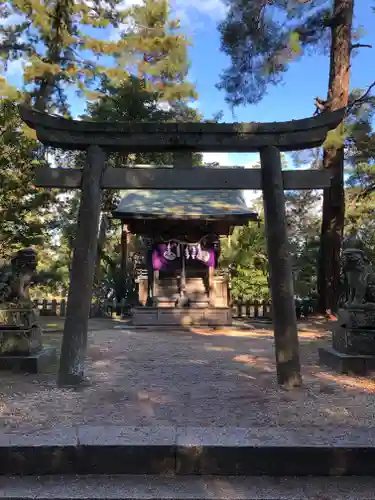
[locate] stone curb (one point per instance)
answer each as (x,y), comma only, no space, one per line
(122,326)
(188,450)
(142,487)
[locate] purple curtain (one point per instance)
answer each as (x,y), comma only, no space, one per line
(159,261)
(166,256)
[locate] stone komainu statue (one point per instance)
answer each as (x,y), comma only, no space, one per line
(359,278)
(15,279)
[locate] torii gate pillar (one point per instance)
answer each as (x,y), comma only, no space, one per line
(73,352)
(280,267)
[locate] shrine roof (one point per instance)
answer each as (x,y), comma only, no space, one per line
(184,204)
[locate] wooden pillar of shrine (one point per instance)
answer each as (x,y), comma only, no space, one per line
(281,278)
(155,286)
(150,274)
(82,271)
(124,248)
(216,291)
(211,286)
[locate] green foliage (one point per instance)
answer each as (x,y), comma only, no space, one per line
(157,50)
(52,275)
(131,101)
(25,217)
(294,43)
(245,255)
(263,38)
(61,44)
(303,218)
(27,214)
(249,283)
(335,138)
(304,268)
(360,192)
(8,91)
(115,281)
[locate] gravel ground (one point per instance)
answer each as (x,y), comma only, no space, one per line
(199,378)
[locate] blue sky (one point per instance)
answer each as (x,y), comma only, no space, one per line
(293,99)
(306,79)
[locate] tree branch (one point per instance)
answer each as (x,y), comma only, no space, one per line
(366,191)
(362,99)
(7,47)
(360,46)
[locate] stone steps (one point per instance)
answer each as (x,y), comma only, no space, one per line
(175,451)
(164,301)
(185,488)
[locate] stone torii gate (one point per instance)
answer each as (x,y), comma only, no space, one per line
(100,138)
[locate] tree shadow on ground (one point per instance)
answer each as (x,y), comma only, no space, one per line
(197,376)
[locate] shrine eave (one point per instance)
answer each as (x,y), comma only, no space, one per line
(237,219)
(56,131)
(205,205)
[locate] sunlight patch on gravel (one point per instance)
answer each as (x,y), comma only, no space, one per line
(175,378)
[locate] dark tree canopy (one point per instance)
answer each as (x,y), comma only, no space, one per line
(25,211)
(262,38)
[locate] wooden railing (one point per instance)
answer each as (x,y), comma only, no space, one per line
(240,308)
(58,308)
(50,307)
(263,309)
(251,309)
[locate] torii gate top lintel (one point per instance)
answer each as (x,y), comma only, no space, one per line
(134,137)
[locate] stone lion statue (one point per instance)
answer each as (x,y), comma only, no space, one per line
(15,279)
(359,278)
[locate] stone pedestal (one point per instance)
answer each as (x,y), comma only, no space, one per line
(21,346)
(348,364)
(20,341)
(353,342)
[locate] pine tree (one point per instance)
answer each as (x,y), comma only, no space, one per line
(62,44)
(156,52)
(360,165)
(262,39)
(332,229)
(59,42)
(25,213)
(132,101)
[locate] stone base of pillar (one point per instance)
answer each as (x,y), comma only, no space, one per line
(348,364)
(37,362)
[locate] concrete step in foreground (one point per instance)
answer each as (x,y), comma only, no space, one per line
(190,450)
(185,488)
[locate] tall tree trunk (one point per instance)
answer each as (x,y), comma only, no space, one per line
(334,197)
